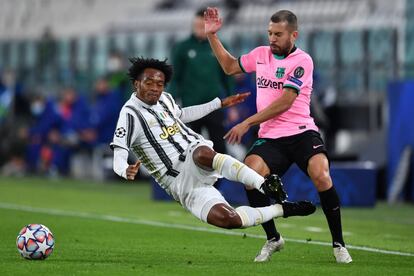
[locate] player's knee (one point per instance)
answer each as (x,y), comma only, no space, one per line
(231,220)
(203,157)
(322,180)
(228,219)
(257,164)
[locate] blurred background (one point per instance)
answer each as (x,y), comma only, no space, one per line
(63,82)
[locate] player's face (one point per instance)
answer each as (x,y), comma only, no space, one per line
(198,28)
(281,39)
(150,86)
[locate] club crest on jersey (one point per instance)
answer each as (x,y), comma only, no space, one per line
(280,72)
(169,131)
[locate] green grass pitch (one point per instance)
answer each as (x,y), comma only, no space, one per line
(114,228)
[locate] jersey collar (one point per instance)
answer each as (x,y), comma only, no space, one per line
(284,56)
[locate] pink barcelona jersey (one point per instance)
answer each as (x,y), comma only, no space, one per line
(273,73)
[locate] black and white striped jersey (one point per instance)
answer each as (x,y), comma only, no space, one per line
(155,134)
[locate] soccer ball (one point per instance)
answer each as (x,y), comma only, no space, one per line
(35,242)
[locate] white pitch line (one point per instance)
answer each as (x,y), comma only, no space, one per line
(48,211)
(314,229)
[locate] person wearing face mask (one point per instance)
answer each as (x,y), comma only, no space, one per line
(106,106)
(117,80)
(198,78)
(43,147)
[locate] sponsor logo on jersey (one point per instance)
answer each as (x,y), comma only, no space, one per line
(170,131)
(266,83)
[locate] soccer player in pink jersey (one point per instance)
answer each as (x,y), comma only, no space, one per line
(287,132)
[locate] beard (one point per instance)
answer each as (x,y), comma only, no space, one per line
(281,50)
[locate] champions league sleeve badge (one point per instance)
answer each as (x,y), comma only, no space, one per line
(120,132)
(299,71)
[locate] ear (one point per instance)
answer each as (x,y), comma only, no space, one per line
(136,85)
(295,34)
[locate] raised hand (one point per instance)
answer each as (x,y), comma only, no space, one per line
(212,21)
(234,99)
(132,170)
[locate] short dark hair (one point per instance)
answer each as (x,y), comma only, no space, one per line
(139,64)
(285,16)
(200,12)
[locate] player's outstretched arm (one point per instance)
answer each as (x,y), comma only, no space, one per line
(234,99)
(212,24)
(195,112)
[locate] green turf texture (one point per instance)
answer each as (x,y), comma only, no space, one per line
(87,246)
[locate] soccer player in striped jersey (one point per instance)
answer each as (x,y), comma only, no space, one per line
(184,164)
(287,132)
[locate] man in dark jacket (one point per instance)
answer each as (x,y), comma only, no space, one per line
(198,78)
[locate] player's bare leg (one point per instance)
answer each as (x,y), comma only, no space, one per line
(225,216)
(318,170)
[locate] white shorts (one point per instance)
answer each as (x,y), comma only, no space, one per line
(193,187)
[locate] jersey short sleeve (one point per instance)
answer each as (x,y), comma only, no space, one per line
(248,61)
(300,75)
(126,130)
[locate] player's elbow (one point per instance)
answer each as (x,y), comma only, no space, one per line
(231,67)
(229,70)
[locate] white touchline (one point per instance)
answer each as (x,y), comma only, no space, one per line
(10,206)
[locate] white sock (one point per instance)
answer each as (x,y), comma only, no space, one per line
(254,216)
(235,170)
